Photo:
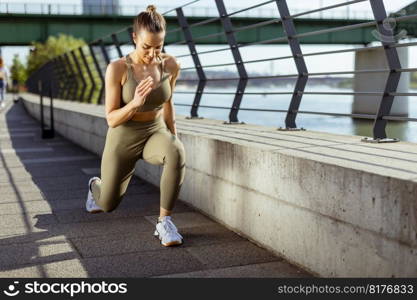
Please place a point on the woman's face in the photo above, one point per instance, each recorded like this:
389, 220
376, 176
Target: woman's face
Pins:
148, 45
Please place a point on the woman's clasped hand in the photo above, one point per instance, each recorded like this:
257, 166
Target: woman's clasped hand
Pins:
142, 90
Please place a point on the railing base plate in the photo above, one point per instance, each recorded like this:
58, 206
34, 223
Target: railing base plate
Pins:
194, 117
48, 134
290, 129
233, 123
372, 140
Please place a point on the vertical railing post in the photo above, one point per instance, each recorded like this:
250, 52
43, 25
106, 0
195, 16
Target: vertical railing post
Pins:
130, 33
117, 44
40, 90
54, 76
58, 76
302, 78
67, 83
104, 51
243, 77
90, 75
74, 83
387, 39
106, 58
80, 74
51, 132
100, 73
200, 72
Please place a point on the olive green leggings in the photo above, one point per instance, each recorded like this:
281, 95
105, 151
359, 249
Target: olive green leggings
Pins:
125, 144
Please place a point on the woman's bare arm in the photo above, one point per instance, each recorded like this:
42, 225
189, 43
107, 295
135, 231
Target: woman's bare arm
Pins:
169, 110
114, 114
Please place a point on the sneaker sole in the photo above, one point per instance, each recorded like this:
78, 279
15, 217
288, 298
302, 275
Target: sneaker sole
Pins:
174, 243
95, 211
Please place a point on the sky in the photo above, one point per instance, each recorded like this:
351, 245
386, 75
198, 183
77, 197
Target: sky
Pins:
345, 61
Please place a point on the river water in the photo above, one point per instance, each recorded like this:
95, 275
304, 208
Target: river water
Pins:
403, 130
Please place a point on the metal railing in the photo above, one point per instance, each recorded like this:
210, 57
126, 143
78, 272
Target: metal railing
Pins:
79, 74
131, 10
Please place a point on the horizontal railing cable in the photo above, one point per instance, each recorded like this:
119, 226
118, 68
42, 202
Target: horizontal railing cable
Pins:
285, 38
305, 93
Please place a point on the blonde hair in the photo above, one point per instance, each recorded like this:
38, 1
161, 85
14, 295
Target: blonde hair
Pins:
150, 20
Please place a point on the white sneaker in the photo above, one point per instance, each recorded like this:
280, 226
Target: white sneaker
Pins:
2, 104
167, 232
90, 204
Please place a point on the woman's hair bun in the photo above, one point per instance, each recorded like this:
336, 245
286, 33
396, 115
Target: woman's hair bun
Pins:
150, 20
151, 8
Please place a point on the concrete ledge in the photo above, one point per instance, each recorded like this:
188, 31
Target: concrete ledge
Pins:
328, 203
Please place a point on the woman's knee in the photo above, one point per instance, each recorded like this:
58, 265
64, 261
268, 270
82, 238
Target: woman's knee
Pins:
109, 206
177, 152
109, 200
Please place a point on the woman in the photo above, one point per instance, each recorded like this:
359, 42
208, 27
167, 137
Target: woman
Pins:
3, 82
141, 118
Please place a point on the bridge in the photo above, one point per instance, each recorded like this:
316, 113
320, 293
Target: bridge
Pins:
24, 27
303, 203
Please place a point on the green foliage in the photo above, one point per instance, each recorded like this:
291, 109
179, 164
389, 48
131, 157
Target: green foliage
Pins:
18, 70
54, 46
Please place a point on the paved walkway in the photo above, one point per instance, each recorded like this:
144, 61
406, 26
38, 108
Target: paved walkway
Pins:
45, 231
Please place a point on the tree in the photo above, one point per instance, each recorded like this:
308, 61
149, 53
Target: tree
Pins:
18, 70
54, 46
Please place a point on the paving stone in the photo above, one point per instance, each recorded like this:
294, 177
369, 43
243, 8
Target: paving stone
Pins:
142, 264
16, 135
139, 208
83, 229
22, 188
24, 156
71, 268
38, 172
91, 171
276, 269
26, 207
19, 129
81, 190
232, 254
18, 151
208, 234
57, 159
29, 220
112, 244
41, 251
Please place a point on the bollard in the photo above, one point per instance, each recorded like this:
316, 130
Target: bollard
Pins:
47, 133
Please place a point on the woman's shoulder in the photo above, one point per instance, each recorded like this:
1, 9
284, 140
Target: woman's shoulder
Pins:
118, 63
171, 64
117, 67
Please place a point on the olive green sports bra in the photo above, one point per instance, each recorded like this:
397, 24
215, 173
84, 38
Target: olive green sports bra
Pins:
156, 98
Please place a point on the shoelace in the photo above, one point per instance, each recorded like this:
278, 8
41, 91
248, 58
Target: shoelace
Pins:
169, 226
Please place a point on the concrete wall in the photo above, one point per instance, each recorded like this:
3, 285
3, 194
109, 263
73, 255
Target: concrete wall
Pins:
326, 202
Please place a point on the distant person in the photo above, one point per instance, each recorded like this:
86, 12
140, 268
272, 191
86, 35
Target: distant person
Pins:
141, 118
3, 82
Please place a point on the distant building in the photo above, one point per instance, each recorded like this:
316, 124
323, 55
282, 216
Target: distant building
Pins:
101, 7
